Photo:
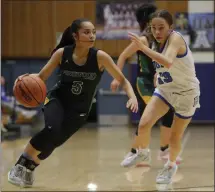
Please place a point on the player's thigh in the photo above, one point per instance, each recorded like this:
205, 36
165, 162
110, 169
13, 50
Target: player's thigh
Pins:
184, 110
70, 126
155, 109
53, 114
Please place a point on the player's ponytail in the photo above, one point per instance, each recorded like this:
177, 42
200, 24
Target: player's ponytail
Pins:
67, 37
143, 15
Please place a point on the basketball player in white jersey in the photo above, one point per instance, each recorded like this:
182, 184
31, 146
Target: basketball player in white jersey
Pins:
177, 88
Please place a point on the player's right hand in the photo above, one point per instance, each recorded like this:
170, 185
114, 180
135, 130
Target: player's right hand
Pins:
20, 77
114, 85
132, 104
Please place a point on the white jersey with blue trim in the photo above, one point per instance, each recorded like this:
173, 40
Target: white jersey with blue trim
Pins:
181, 76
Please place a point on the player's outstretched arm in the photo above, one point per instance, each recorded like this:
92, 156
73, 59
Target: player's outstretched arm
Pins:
127, 53
107, 62
175, 43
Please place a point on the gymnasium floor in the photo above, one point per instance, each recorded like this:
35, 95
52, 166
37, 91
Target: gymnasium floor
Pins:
90, 160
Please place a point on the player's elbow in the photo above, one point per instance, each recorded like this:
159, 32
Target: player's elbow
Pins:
169, 60
169, 64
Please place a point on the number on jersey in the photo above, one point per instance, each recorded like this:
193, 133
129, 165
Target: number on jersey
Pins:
77, 87
164, 77
196, 101
157, 66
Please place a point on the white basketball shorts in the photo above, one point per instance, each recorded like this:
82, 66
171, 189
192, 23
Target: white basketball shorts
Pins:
184, 103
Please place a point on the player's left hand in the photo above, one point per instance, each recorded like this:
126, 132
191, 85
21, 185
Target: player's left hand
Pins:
132, 104
136, 39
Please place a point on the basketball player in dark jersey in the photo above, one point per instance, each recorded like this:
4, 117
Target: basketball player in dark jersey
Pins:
68, 104
145, 79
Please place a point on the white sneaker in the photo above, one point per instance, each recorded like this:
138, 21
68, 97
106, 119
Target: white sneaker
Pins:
165, 176
134, 158
129, 154
21, 176
164, 155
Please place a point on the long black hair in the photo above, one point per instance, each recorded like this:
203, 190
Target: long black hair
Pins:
143, 15
67, 37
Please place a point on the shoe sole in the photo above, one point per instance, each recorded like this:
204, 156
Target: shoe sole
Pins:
137, 162
178, 162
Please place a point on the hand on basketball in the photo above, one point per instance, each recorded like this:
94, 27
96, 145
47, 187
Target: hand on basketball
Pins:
136, 39
20, 77
132, 104
29, 90
114, 85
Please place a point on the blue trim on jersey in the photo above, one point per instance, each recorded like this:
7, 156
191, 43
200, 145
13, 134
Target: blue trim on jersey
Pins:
163, 99
183, 55
161, 50
183, 117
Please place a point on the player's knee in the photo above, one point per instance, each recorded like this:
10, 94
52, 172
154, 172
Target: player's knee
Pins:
49, 140
60, 140
63, 135
56, 137
145, 123
53, 140
45, 138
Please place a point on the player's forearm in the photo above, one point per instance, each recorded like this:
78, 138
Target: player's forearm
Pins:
159, 58
121, 62
128, 89
46, 71
43, 76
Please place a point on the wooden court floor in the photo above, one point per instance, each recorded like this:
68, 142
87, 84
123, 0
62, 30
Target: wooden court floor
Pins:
90, 161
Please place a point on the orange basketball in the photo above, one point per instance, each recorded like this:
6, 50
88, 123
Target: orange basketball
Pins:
30, 90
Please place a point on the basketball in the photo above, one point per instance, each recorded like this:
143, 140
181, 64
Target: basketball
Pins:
30, 90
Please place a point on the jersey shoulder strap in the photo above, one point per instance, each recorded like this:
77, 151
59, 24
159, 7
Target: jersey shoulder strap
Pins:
67, 53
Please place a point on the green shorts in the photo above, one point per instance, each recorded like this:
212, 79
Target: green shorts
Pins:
145, 88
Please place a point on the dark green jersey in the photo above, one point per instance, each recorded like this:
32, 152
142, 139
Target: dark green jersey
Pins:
146, 69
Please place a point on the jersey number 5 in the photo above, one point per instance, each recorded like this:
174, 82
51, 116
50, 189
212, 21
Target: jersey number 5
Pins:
164, 77
77, 87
